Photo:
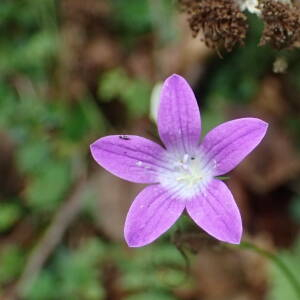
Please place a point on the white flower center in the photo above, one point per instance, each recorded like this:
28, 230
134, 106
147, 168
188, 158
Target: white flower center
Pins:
253, 5
250, 5
187, 174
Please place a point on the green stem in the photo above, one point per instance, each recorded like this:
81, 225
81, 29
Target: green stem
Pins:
223, 177
278, 262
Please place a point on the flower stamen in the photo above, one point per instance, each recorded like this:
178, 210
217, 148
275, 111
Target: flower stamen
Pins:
190, 174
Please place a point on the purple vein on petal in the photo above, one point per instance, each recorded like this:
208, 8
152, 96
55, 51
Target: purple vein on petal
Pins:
233, 138
217, 213
158, 158
210, 150
214, 208
159, 196
179, 117
134, 158
160, 211
153, 211
234, 141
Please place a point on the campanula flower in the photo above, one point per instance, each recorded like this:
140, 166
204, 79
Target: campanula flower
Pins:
182, 174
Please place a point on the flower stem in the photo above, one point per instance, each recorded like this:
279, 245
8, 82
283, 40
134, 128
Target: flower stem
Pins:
278, 262
223, 177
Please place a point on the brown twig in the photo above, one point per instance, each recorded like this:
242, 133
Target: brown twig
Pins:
53, 235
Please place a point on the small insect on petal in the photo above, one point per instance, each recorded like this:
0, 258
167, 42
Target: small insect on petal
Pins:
124, 137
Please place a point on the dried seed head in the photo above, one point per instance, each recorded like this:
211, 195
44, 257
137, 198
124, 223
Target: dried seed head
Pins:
220, 22
282, 24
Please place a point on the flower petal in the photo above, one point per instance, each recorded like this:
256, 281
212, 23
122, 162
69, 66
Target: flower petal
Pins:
151, 214
229, 143
179, 122
129, 157
216, 212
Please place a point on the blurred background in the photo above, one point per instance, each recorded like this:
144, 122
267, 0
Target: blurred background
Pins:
72, 71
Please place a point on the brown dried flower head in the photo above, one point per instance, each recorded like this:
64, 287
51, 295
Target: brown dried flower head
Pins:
221, 22
282, 24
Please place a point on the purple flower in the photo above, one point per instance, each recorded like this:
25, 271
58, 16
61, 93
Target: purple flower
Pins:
183, 174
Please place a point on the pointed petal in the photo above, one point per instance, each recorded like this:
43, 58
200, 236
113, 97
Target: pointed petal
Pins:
216, 212
179, 122
229, 143
151, 214
130, 157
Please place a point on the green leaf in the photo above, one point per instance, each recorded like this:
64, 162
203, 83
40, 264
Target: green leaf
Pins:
135, 94
47, 189
32, 155
137, 98
151, 296
280, 287
83, 120
78, 273
237, 78
12, 261
9, 214
45, 287
295, 209
157, 266
112, 84
132, 17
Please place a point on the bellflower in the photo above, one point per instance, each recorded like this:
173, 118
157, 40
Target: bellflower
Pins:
183, 174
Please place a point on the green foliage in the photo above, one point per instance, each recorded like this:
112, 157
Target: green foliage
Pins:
151, 296
12, 261
295, 209
163, 17
32, 155
76, 274
73, 275
237, 77
157, 267
45, 287
82, 121
9, 214
132, 16
36, 53
136, 17
47, 189
280, 286
213, 115
134, 93
79, 272
32, 40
